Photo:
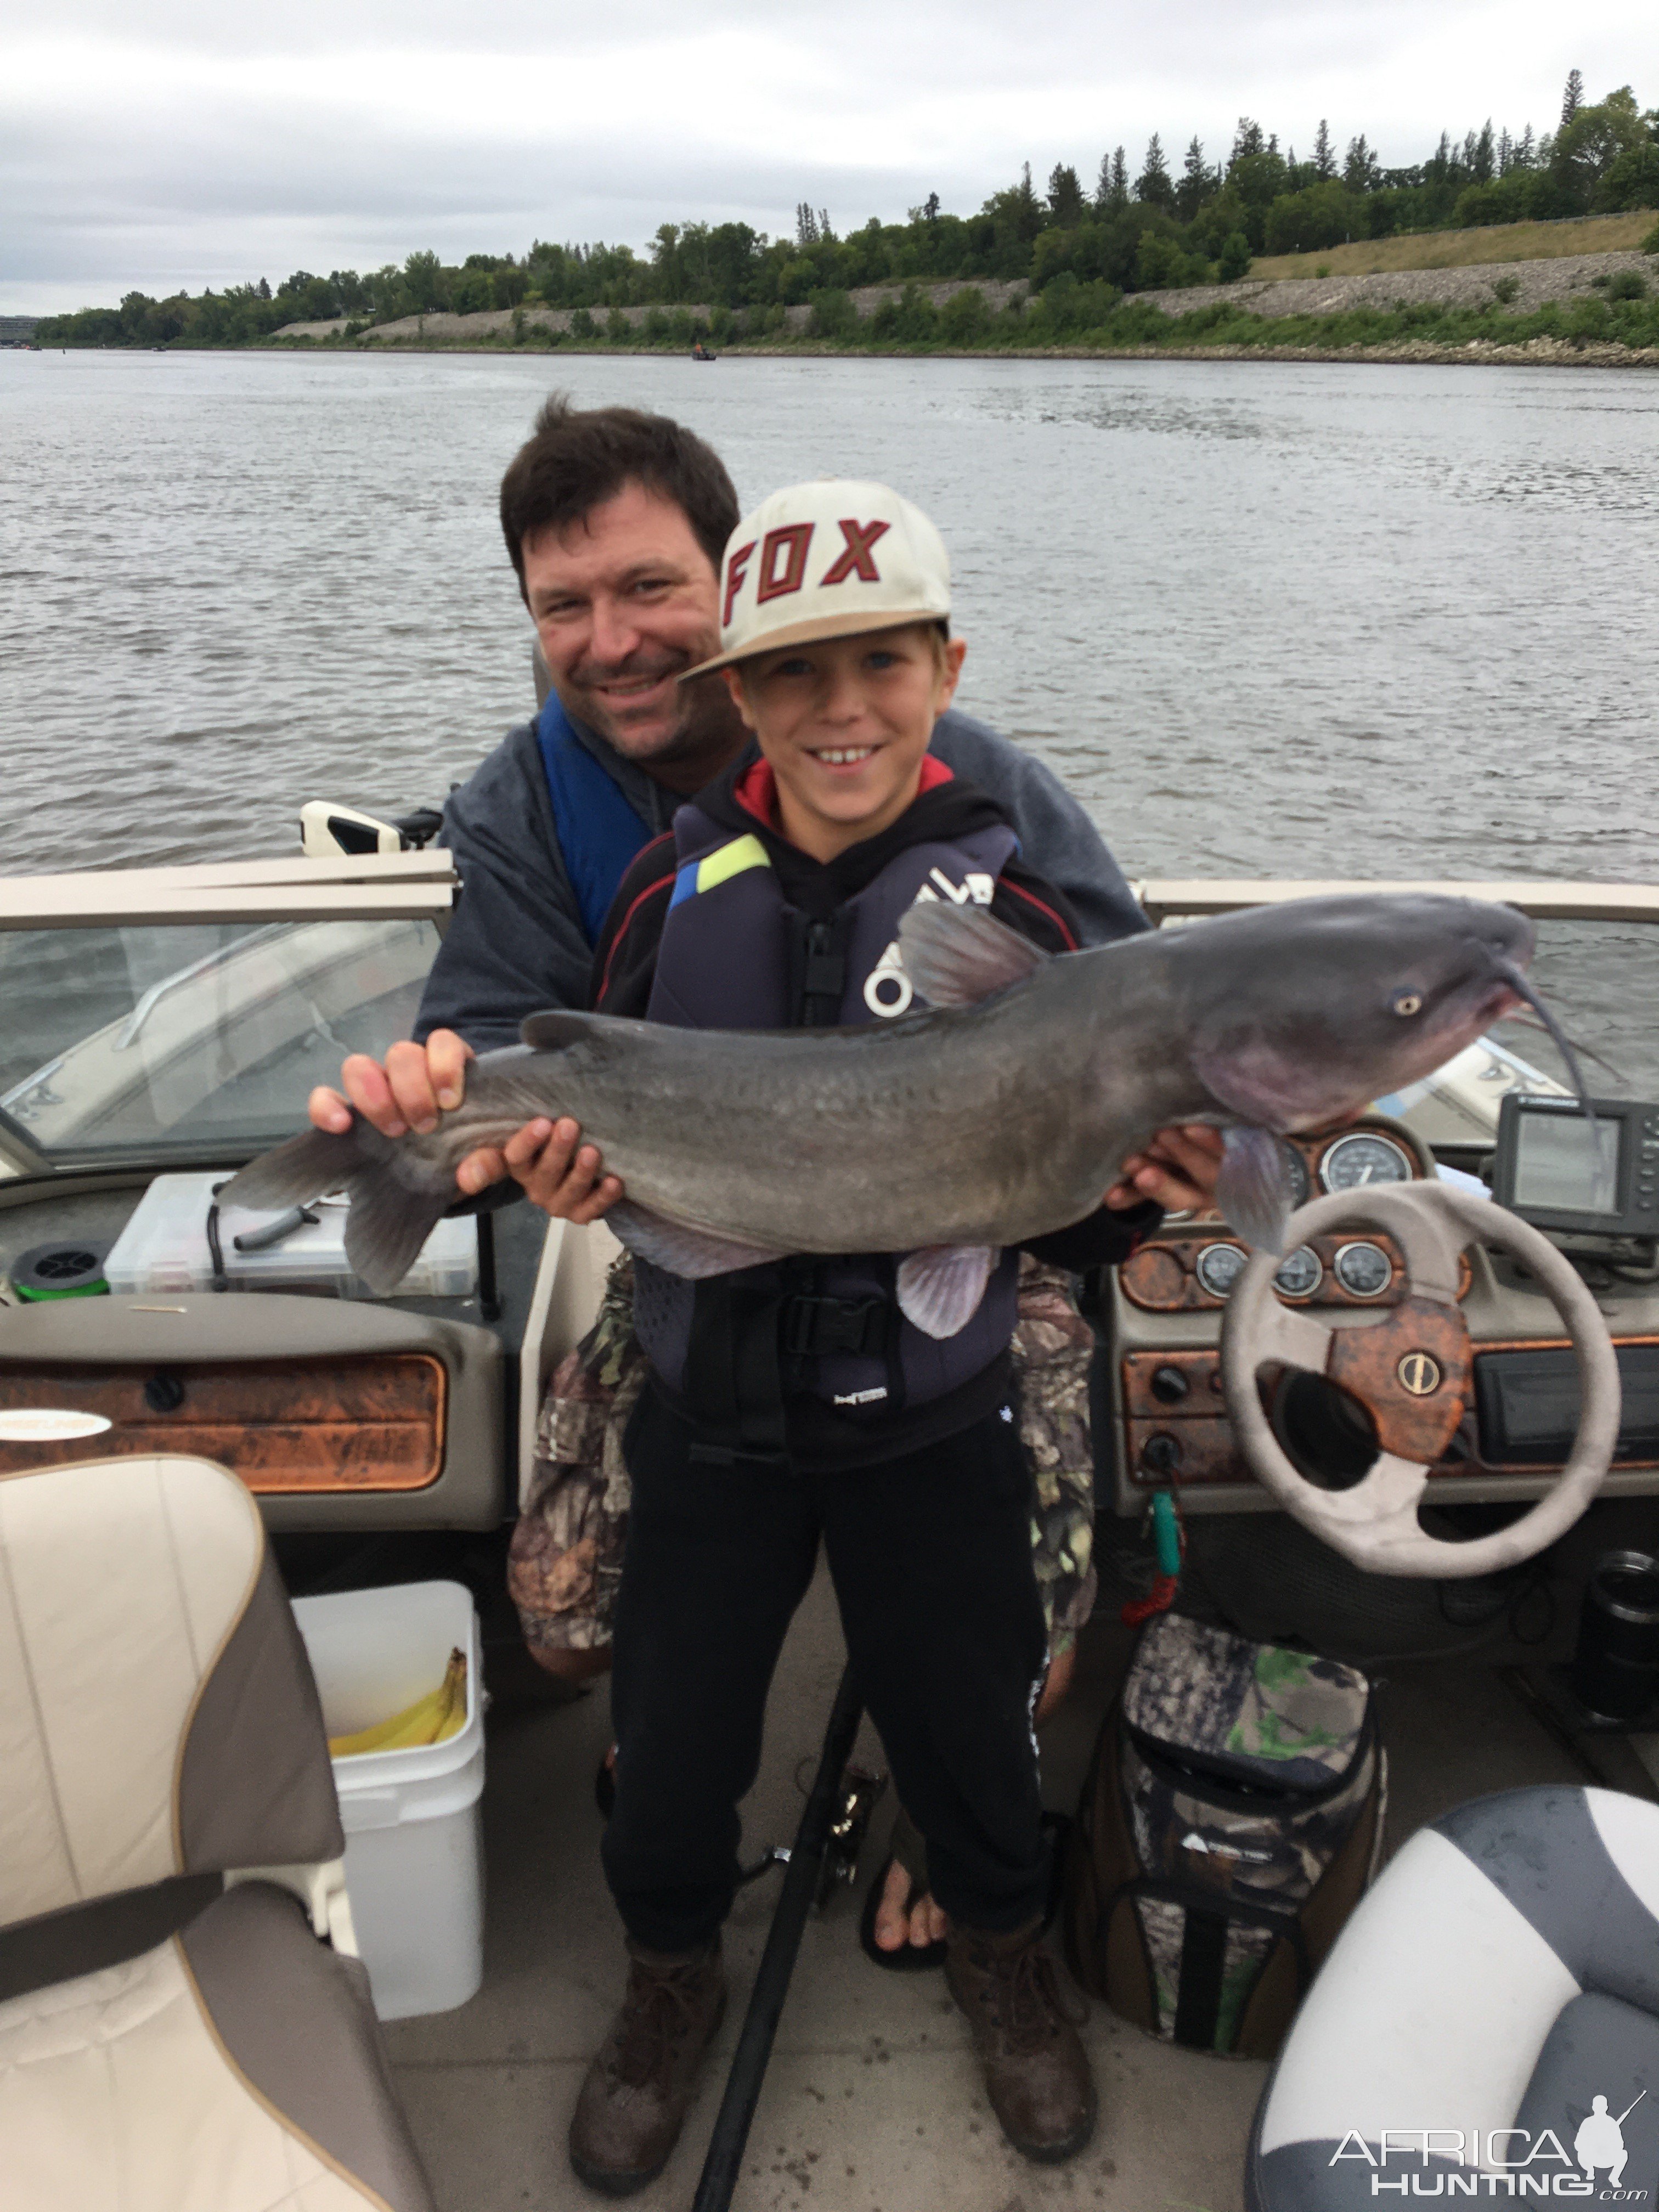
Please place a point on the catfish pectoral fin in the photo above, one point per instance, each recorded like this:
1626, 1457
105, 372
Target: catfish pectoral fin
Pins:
940, 1286
1253, 1189
677, 1250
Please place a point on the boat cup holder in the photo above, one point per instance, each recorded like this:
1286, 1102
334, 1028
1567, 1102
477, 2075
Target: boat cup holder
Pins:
1615, 1666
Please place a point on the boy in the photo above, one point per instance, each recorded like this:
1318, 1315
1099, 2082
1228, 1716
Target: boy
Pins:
790, 1403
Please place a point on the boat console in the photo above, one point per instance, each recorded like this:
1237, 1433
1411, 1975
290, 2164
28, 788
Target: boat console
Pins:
1161, 1400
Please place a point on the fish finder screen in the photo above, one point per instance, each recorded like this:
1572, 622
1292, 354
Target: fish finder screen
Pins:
1566, 1165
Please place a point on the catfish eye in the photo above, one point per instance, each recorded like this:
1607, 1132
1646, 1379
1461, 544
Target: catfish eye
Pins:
1407, 1003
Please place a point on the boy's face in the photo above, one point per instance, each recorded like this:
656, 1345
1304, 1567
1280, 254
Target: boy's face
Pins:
845, 724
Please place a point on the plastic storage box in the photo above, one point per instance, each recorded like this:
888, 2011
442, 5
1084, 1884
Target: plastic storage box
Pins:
164, 1247
414, 1859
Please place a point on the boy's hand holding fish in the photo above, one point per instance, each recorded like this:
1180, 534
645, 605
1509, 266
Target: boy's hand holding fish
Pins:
420, 1082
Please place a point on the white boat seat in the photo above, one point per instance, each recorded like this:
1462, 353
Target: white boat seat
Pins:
1503, 1974
158, 1718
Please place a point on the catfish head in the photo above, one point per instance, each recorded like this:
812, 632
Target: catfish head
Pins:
1299, 1014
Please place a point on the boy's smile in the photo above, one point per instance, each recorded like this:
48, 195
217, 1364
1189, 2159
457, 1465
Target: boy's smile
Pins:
845, 723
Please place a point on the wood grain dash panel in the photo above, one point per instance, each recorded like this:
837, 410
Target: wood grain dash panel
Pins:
371, 1421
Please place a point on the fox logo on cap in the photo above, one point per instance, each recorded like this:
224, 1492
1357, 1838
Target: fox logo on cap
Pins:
829, 559
793, 541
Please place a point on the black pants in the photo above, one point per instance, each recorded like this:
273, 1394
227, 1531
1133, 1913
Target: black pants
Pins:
931, 1558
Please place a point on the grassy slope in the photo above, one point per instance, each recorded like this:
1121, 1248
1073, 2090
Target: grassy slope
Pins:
1461, 249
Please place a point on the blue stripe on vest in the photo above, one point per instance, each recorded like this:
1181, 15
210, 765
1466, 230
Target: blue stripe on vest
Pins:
685, 884
599, 831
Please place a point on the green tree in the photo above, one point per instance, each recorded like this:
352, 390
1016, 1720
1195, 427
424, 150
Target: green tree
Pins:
1153, 187
833, 316
1254, 180
1235, 259
1633, 180
1112, 192
423, 275
1198, 183
965, 318
1066, 205
1587, 149
1307, 221
1572, 98
1361, 171
1324, 159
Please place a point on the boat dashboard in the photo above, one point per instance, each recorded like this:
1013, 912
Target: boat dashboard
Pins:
1159, 1398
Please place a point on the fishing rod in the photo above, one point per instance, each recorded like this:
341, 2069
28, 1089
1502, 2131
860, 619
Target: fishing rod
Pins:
806, 1856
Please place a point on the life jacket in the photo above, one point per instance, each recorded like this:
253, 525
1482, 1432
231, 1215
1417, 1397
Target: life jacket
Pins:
735, 955
599, 831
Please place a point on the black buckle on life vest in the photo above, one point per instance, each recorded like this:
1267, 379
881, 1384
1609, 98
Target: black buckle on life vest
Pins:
810, 1326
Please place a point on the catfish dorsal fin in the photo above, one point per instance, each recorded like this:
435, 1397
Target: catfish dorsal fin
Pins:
557, 1027
957, 955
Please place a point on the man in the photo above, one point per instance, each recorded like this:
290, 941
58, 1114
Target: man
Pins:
615, 522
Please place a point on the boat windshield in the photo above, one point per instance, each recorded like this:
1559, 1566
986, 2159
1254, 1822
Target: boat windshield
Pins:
188, 1038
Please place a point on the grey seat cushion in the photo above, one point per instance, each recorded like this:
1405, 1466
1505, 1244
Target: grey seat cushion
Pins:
1503, 1974
1600, 2047
298, 2020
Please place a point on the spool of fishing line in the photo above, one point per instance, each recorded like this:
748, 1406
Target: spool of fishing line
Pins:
70, 1270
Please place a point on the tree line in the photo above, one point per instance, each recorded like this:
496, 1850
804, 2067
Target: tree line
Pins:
1198, 222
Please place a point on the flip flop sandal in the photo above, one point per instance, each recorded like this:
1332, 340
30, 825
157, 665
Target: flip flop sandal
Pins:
909, 1851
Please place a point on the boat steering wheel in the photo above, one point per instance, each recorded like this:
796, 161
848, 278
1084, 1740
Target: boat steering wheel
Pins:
1412, 1369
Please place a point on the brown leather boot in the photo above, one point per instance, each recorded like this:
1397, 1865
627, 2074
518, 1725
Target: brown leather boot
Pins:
1037, 2071
634, 2099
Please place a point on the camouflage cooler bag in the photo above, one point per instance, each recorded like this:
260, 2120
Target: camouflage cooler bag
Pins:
1230, 1821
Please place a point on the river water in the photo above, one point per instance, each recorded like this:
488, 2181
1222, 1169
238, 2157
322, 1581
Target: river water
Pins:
1263, 618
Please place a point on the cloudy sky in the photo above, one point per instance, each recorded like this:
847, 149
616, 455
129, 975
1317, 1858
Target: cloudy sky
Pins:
173, 143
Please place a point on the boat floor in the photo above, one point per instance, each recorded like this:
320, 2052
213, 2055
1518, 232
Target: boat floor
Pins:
872, 2102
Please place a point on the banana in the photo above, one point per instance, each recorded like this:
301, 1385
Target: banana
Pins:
440, 1713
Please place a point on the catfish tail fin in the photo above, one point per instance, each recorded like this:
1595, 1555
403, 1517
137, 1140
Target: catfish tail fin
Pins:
391, 1217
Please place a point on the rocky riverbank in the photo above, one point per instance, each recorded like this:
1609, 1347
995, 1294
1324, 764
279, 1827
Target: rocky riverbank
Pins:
1520, 286
1567, 277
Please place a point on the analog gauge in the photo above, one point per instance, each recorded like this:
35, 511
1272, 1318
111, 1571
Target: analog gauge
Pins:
1300, 1274
1365, 1271
1364, 1157
1301, 1180
1218, 1267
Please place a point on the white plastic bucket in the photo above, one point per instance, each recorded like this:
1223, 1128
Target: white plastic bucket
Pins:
414, 1859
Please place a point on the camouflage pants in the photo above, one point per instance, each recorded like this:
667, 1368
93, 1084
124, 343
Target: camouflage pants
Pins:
565, 1563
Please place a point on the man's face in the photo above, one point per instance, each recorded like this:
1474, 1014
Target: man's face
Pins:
623, 601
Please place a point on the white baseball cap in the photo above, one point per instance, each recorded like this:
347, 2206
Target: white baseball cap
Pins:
829, 559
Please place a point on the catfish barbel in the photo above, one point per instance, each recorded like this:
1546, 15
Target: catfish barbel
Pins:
999, 1113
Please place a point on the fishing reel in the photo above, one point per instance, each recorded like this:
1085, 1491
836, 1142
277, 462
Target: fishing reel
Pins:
856, 1799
